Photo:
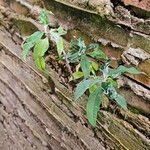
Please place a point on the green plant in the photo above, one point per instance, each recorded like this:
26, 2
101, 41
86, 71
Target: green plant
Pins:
98, 79
39, 41
98, 84
79, 53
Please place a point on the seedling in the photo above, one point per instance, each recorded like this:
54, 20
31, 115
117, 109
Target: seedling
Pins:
100, 81
79, 54
39, 42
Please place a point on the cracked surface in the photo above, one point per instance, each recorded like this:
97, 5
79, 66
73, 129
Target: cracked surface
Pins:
32, 118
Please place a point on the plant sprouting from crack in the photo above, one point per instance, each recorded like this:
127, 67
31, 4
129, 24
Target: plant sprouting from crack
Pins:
98, 80
39, 41
79, 53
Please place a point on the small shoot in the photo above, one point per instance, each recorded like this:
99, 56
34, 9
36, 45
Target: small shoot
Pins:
56, 36
39, 41
99, 81
43, 17
79, 54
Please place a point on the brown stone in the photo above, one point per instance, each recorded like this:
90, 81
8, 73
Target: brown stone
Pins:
143, 4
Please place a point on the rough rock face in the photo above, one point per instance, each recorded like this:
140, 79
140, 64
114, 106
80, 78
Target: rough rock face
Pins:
32, 118
142, 4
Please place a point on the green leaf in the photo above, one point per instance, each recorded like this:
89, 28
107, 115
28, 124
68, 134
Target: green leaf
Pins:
76, 75
56, 37
85, 66
92, 88
83, 86
94, 65
113, 95
77, 50
30, 42
78, 45
73, 57
111, 82
60, 45
26, 48
132, 70
43, 17
40, 63
34, 37
40, 48
121, 69
97, 53
93, 105
121, 101
61, 31
39, 51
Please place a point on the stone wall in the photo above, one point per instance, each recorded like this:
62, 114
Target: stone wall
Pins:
123, 33
32, 118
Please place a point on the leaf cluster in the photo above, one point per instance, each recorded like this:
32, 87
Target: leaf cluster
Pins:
80, 54
98, 80
39, 42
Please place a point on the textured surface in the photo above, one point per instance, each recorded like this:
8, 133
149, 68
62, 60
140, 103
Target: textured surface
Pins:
29, 116
32, 118
143, 4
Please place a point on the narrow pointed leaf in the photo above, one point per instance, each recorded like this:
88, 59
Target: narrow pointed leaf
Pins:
40, 63
121, 69
132, 70
93, 105
121, 101
76, 75
85, 66
60, 45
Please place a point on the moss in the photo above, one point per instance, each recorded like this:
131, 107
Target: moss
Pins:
125, 133
139, 41
134, 110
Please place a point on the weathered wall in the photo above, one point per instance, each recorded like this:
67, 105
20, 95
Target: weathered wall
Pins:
30, 115
124, 34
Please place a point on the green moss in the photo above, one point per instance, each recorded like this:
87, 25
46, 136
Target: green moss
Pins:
133, 110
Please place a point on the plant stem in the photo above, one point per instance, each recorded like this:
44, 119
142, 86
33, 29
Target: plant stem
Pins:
67, 63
